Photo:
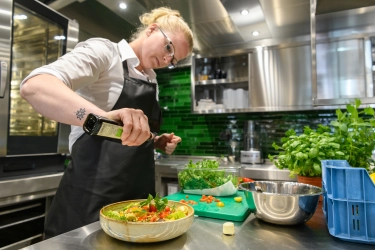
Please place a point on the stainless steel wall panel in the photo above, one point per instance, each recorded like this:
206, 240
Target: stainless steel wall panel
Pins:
280, 77
64, 129
342, 40
63, 140
370, 80
341, 69
73, 32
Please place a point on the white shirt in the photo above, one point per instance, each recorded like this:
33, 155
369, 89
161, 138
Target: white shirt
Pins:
94, 71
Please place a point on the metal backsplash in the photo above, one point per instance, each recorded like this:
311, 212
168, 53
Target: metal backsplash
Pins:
280, 78
341, 55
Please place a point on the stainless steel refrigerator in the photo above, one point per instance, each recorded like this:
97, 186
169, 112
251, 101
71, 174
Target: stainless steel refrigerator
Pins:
31, 35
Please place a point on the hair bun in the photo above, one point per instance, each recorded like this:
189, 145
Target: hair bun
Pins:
153, 16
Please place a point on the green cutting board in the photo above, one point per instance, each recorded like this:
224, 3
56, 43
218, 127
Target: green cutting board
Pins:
232, 211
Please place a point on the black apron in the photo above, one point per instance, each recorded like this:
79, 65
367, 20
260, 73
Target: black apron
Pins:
102, 171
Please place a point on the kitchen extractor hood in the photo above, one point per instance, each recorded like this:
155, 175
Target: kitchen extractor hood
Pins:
329, 6
217, 24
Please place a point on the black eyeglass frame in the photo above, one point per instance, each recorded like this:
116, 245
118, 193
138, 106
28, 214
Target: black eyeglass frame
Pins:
173, 62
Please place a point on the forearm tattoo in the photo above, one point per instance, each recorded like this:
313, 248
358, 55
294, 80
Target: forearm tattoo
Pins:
81, 113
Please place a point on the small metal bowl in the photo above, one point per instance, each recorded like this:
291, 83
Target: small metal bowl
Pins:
282, 203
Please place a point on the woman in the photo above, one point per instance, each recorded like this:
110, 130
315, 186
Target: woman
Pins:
117, 81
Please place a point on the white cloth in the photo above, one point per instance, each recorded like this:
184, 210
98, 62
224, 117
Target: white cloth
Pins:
94, 71
224, 190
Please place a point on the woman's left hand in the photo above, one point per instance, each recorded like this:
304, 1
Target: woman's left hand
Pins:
167, 142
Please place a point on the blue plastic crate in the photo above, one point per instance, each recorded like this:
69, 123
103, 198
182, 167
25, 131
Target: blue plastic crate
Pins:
349, 202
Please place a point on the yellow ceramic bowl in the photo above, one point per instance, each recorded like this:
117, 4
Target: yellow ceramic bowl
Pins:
144, 231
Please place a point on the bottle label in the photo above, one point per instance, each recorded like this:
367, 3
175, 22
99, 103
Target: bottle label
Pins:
110, 130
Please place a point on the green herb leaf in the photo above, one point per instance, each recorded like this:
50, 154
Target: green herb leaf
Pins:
350, 137
369, 111
204, 174
148, 201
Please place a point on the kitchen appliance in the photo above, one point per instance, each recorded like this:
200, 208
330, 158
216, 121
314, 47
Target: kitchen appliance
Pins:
252, 147
234, 151
31, 35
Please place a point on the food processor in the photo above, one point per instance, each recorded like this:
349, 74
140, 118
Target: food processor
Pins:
252, 151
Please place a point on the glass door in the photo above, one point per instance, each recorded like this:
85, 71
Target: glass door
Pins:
36, 42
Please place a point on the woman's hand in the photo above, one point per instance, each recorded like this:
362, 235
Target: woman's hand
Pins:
135, 125
167, 142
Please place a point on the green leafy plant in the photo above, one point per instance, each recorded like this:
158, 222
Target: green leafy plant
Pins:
204, 174
350, 137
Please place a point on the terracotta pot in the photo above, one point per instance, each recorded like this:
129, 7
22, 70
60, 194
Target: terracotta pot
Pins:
315, 181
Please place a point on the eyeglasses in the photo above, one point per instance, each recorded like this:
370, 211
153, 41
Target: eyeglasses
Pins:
169, 49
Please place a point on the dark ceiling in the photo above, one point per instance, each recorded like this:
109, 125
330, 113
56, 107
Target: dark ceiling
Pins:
95, 20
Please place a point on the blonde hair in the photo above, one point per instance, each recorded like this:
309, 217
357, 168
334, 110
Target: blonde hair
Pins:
169, 20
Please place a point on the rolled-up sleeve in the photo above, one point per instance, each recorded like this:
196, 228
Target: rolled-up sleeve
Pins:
82, 66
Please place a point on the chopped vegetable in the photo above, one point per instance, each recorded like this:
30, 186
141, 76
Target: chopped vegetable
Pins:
191, 202
183, 209
151, 210
245, 179
206, 198
114, 215
176, 215
238, 199
220, 204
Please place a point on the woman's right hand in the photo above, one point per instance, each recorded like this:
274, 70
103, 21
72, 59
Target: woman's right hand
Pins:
135, 125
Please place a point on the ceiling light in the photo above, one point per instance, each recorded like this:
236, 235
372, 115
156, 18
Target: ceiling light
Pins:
122, 6
20, 17
342, 49
244, 12
59, 37
255, 33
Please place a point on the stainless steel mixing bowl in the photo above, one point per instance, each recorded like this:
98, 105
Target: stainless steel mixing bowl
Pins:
283, 203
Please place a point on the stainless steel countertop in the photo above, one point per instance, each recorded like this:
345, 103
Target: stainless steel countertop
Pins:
32, 187
206, 233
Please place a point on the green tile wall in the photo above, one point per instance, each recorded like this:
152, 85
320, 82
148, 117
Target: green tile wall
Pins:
200, 133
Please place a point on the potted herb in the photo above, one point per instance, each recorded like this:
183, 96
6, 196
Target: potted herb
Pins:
350, 137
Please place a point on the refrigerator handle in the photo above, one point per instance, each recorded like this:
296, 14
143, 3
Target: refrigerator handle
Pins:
3, 77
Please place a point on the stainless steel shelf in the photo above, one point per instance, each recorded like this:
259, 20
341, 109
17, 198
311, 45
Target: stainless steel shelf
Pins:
28, 188
223, 81
23, 220
23, 243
